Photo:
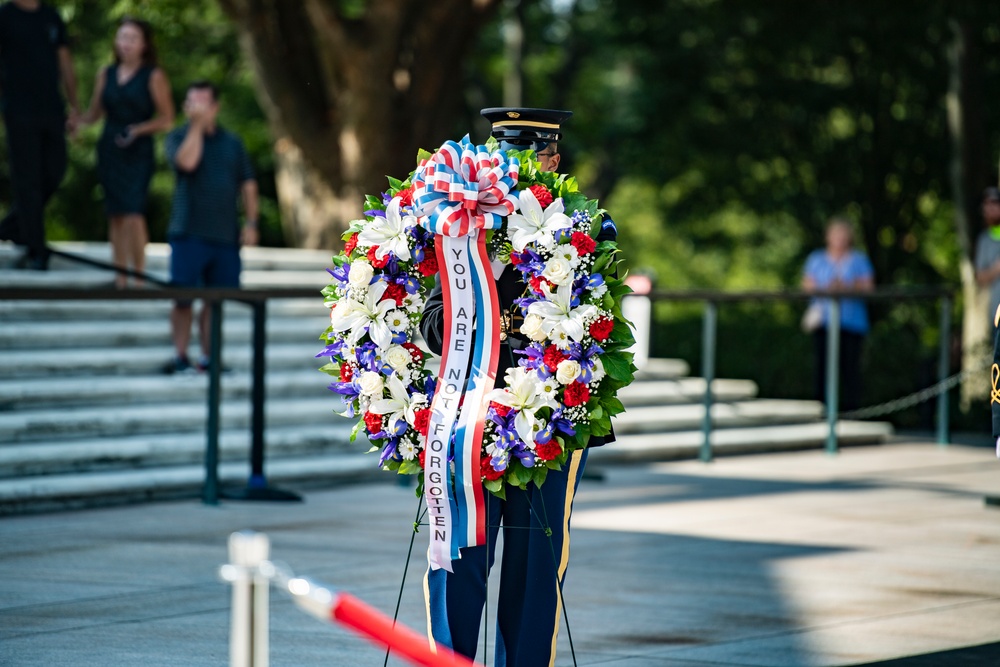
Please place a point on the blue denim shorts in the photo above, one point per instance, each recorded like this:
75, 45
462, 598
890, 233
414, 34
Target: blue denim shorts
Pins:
199, 263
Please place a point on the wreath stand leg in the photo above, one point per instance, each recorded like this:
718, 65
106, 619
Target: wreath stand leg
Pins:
543, 521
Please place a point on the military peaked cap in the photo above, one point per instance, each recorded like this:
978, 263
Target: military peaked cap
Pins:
522, 128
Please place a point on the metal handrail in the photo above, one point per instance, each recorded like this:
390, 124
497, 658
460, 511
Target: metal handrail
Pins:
711, 299
256, 298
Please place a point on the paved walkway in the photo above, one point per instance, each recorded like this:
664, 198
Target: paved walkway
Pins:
784, 559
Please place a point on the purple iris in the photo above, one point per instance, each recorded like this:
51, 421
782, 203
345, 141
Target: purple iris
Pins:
418, 254
399, 428
525, 456
499, 461
340, 273
533, 360
411, 284
331, 350
367, 358
349, 392
587, 359
562, 424
388, 452
374, 213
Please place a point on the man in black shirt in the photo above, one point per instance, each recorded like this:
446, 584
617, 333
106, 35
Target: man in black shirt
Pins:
34, 60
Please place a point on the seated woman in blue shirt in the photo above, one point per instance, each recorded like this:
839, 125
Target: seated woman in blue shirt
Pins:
840, 268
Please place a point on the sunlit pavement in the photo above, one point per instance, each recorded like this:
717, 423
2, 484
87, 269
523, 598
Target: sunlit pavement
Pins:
784, 559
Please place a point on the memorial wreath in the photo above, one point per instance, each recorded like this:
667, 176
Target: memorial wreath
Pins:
564, 387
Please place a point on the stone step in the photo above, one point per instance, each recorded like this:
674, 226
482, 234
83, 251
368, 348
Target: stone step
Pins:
237, 328
725, 442
157, 450
112, 312
55, 392
190, 416
158, 258
30, 493
81, 363
74, 491
116, 391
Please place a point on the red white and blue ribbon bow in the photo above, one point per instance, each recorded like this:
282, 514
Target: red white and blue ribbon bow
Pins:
460, 192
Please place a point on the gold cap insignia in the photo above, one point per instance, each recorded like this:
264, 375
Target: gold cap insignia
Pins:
513, 114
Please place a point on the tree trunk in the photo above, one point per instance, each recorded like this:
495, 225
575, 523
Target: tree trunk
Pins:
969, 172
351, 93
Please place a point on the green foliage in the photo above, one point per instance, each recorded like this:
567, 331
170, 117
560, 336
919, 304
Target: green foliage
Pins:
194, 41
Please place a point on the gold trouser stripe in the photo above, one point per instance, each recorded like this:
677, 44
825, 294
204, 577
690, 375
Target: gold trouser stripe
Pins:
574, 469
526, 123
427, 604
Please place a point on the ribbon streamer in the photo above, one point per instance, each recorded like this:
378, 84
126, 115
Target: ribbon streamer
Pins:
459, 193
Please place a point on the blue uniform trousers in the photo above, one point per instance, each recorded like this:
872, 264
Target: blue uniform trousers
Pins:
532, 567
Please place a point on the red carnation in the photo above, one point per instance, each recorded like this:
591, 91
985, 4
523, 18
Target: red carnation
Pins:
500, 409
373, 422
377, 263
351, 244
601, 329
536, 283
405, 196
549, 451
552, 357
487, 470
395, 292
414, 351
583, 243
576, 394
346, 372
429, 266
515, 259
422, 458
542, 194
421, 420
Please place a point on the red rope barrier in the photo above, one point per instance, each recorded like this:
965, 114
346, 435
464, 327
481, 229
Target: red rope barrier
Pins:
352, 612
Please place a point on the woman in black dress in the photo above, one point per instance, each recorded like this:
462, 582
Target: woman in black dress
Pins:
134, 95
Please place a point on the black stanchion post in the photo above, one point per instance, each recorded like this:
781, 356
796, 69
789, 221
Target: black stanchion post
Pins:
832, 375
257, 479
210, 492
257, 487
944, 354
708, 371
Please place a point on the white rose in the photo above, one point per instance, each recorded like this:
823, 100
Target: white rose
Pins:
360, 274
371, 384
532, 327
599, 373
558, 271
398, 357
567, 371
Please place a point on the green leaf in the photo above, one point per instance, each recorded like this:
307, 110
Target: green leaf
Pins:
394, 184
613, 406
496, 487
538, 475
601, 426
410, 467
423, 155
356, 430
519, 474
617, 365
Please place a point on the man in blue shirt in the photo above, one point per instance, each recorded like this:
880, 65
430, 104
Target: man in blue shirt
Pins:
213, 174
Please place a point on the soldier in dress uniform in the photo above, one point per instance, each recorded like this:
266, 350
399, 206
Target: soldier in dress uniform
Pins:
536, 520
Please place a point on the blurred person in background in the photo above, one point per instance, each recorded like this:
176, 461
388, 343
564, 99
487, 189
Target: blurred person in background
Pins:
134, 96
34, 61
841, 269
988, 249
213, 173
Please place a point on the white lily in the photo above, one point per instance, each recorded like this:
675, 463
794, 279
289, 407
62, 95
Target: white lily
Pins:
557, 313
390, 234
525, 394
401, 405
533, 224
355, 316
